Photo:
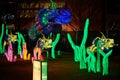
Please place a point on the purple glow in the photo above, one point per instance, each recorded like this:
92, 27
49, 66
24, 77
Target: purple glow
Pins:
9, 54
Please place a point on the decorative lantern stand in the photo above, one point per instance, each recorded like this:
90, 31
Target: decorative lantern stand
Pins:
40, 70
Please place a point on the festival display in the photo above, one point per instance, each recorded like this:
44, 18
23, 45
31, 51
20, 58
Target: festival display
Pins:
49, 20
24, 54
22, 47
1, 38
9, 53
42, 44
100, 46
37, 51
54, 43
9, 41
46, 44
80, 51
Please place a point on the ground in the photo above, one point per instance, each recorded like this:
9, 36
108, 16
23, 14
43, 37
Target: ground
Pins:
61, 68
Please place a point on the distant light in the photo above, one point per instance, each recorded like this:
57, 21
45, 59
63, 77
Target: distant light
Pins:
11, 2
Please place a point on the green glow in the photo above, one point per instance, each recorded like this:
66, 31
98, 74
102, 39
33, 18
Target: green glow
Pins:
102, 44
59, 53
20, 40
54, 43
19, 44
105, 60
6, 31
91, 61
4, 44
80, 51
44, 70
98, 56
50, 35
5, 41
47, 54
82, 46
53, 5
44, 20
75, 47
1, 37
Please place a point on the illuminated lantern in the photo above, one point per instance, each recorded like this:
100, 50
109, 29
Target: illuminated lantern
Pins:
49, 20
54, 43
101, 46
1, 37
63, 16
37, 52
91, 60
105, 58
40, 70
9, 54
80, 51
25, 54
